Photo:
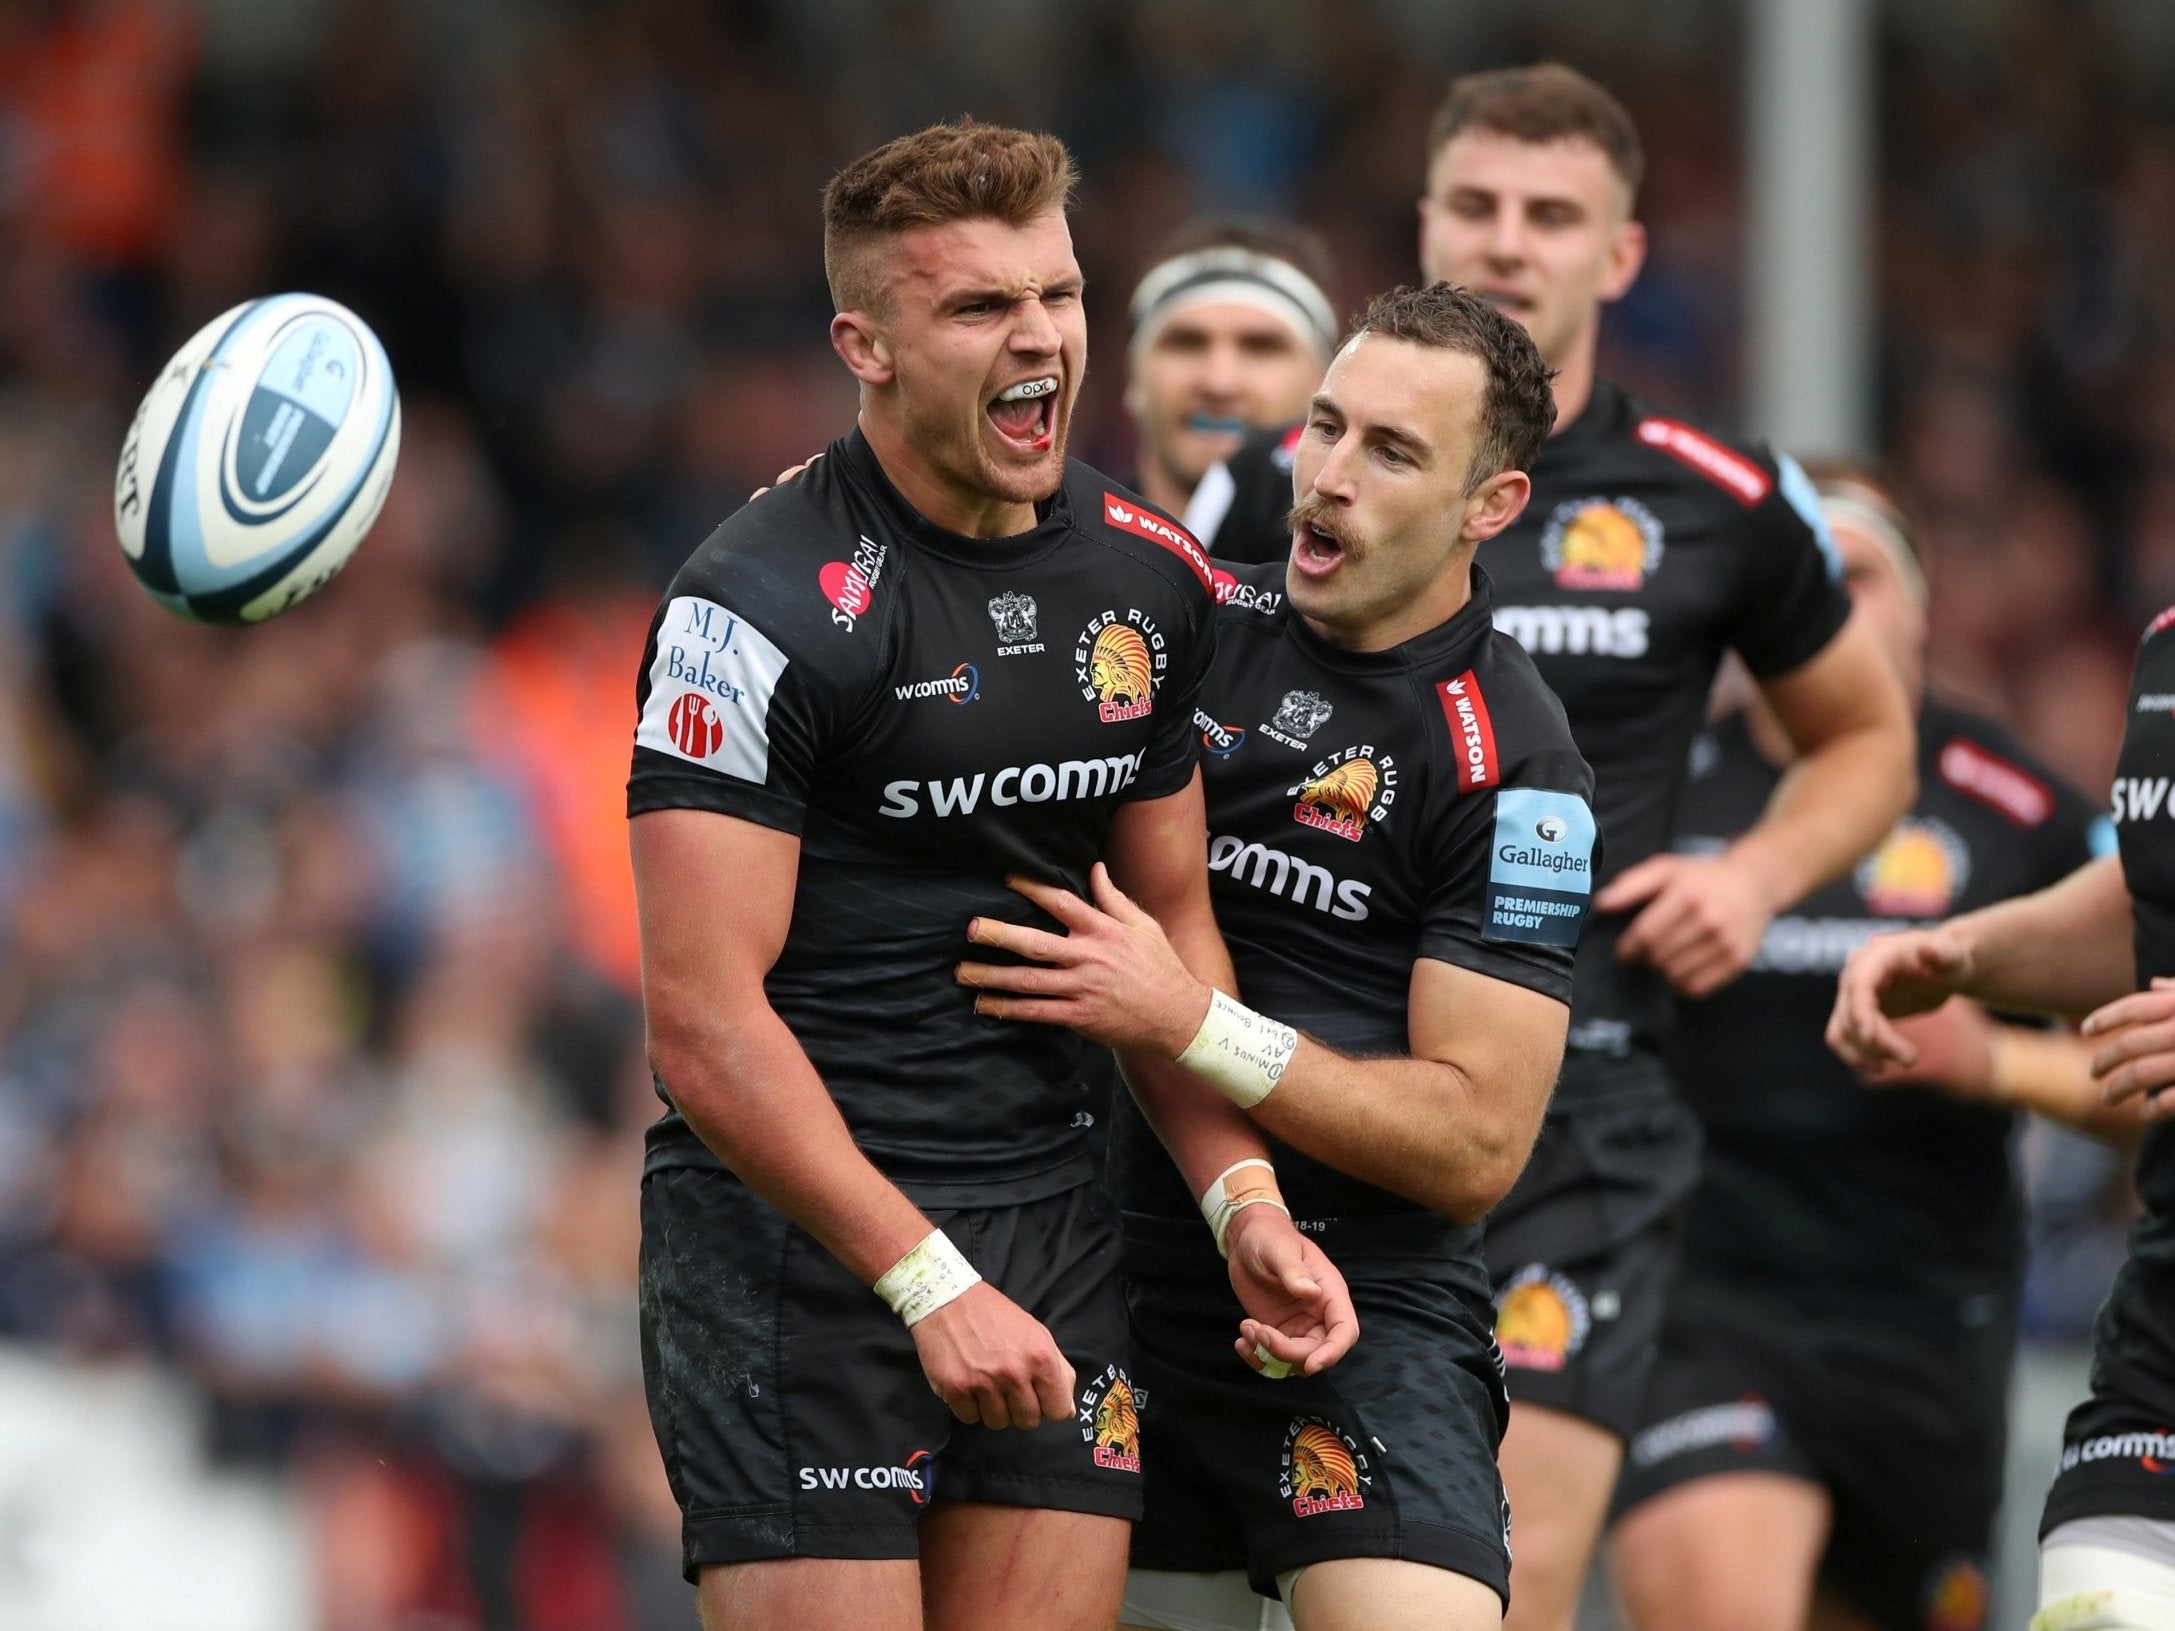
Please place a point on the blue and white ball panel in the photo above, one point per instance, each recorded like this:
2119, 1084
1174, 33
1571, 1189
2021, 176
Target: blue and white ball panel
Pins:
1540, 867
258, 460
710, 686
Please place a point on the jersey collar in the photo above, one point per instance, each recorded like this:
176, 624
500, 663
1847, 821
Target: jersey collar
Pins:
1454, 642
1053, 516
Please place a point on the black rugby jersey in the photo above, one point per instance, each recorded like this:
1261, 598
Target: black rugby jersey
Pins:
1648, 547
1365, 810
2133, 1344
928, 712
1895, 1204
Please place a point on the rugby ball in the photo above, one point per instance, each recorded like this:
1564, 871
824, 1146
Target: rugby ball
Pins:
258, 459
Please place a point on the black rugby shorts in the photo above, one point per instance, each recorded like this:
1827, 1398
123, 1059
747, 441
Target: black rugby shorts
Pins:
1904, 1429
790, 1403
1390, 1453
2118, 1449
1582, 1250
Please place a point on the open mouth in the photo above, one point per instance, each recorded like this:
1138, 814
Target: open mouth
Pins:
1022, 413
1314, 552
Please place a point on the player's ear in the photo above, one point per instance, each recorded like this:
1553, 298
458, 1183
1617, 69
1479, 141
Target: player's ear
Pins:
863, 346
1495, 504
1627, 253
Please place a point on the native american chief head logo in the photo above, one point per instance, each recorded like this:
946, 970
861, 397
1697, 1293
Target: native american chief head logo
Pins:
1121, 674
1338, 801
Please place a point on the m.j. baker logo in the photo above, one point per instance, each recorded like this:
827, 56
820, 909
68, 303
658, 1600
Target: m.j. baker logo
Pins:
710, 684
1119, 663
1345, 792
1323, 1469
850, 586
1109, 1419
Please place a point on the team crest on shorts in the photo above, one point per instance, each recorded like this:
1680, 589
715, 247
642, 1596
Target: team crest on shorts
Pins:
1323, 1469
1601, 543
1345, 792
1541, 1319
1956, 1596
1119, 663
1110, 1420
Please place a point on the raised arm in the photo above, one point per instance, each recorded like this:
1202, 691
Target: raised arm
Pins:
715, 897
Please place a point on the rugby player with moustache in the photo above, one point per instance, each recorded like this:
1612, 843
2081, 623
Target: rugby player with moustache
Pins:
1403, 847
1649, 547
940, 655
1822, 1442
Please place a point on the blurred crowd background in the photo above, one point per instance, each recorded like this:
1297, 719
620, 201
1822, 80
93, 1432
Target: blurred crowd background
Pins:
320, 1065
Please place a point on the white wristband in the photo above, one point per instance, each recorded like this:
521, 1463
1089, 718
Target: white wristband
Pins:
1251, 1182
1240, 1053
926, 1278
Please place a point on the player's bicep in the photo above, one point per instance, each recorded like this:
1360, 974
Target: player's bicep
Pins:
1158, 854
1505, 1037
1848, 685
714, 899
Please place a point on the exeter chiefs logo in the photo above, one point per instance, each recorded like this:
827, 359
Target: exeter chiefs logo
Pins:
1119, 664
1345, 792
1014, 615
1541, 1319
1599, 543
1110, 1420
1957, 1596
1323, 1471
1917, 872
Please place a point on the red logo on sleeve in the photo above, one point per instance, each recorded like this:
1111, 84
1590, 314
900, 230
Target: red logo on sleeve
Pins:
1725, 467
1993, 781
1472, 732
695, 727
1155, 529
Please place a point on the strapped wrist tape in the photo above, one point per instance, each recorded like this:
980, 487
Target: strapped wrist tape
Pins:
1240, 1053
1251, 1182
926, 1278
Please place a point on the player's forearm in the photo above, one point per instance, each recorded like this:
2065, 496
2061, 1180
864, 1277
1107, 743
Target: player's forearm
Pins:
1431, 1132
752, 1096
2064, 950
1204, 1132
2049, 1073
1830, 808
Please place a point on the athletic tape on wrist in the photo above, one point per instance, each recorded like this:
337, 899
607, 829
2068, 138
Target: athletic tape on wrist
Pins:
1251, 1182
1240, 1053
926, 1278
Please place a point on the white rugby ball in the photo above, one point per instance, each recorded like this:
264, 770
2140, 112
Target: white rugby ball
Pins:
258, 459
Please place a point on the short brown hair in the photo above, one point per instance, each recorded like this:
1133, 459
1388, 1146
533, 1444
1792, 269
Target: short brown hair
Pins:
1546, 102
955, 172
1518, 411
